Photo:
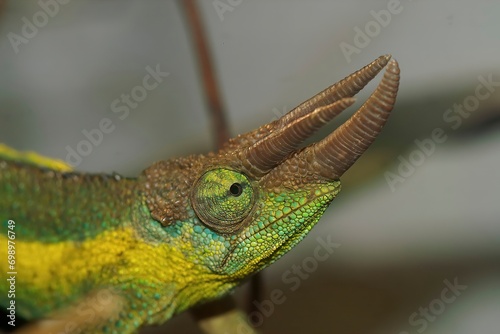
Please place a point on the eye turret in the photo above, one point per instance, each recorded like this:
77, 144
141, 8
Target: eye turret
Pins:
222, 199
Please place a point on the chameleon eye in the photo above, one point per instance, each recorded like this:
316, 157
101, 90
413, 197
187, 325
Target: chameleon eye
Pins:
222, 199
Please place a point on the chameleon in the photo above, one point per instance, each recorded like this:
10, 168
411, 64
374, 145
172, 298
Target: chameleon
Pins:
186, 230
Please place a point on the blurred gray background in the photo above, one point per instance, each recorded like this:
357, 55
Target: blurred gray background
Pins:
399, 240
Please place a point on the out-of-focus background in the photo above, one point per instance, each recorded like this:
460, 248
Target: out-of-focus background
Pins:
417, 225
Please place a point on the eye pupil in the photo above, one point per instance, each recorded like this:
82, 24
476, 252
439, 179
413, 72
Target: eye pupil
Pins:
236, 189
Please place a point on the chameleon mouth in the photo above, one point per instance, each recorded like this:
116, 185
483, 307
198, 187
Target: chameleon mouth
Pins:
286, 232
299, 231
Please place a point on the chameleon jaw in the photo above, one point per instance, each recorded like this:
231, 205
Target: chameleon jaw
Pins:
284, 220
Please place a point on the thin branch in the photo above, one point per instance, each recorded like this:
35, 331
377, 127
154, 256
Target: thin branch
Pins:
215, 106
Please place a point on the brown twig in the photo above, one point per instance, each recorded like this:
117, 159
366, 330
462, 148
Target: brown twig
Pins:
206, 67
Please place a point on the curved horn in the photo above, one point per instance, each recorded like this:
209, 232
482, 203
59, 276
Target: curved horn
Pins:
333, 155
347, 87
270, 151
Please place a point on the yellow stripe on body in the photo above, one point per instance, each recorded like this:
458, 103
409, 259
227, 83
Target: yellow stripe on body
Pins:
33, 158
113, 258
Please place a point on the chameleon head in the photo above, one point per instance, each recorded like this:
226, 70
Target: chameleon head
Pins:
237, 210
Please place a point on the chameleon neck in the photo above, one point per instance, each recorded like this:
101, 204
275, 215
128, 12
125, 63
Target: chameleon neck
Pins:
61, 203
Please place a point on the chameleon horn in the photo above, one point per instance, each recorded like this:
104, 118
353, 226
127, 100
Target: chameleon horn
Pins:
270, 151
347, 87
301, 122
336, 153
